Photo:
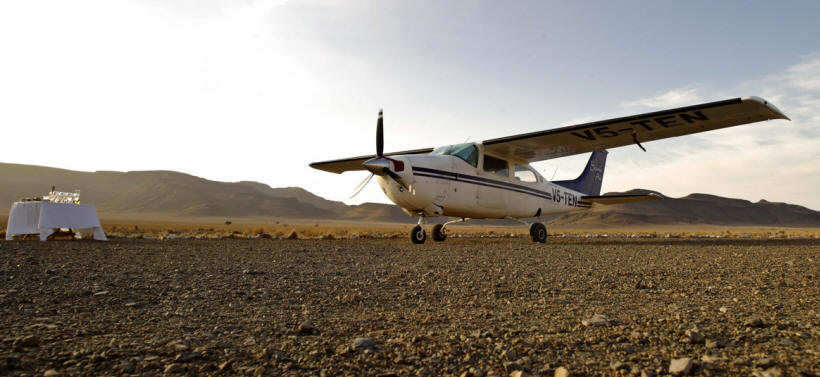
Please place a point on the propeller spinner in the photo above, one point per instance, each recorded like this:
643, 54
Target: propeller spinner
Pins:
380, 165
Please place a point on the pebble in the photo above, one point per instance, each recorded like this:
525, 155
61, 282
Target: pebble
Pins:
174, 368
617, 365
51, 373
306, 327
596, 320
225, 366
127, 367
707, 358
27, 341
754, 322
771, 372
519, 373
186, 357
680, 367
648, 373
364, 343
694, 337
562, 372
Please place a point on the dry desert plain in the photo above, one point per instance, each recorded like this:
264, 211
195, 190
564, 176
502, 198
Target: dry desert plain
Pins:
468, 307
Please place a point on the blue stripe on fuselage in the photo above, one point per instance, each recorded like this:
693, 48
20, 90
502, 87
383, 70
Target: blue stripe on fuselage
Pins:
481, 181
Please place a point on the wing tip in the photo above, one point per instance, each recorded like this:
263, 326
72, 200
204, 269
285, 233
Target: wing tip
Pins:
770, 106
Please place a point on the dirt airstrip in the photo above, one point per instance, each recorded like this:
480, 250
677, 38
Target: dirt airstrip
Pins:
467, 307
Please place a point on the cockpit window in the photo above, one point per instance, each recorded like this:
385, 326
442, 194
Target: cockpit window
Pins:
495, 165
467, 152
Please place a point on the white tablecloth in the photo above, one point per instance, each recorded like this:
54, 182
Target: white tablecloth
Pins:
43, 217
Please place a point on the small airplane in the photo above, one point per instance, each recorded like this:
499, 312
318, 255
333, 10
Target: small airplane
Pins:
493, 179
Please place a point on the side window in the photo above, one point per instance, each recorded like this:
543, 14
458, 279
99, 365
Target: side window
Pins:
495, 165
525, 174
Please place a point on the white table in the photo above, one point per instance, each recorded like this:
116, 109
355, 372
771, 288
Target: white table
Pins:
44, 217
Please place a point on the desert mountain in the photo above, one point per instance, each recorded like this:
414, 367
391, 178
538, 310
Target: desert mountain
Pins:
151, 195
695, 209
171, 195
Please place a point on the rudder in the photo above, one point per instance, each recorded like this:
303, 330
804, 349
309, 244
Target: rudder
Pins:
590, 180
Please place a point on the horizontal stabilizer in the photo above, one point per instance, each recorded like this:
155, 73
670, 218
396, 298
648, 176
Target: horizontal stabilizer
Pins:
619, 199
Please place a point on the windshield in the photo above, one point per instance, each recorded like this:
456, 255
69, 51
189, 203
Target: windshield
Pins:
467, 152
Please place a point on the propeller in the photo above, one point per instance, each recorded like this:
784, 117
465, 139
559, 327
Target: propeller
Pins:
380, 135
380, 164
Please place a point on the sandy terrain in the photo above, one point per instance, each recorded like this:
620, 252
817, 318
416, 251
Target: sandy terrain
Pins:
386, 307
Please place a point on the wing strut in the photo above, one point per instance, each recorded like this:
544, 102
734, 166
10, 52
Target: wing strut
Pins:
635, 139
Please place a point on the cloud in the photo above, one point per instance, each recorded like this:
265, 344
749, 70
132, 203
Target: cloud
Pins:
805, 75
774, 160
673, 98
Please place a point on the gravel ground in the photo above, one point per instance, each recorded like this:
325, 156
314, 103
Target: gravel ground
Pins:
476, 307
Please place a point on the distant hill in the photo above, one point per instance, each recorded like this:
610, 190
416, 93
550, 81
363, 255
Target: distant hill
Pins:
168, 195
694, 209
171, 195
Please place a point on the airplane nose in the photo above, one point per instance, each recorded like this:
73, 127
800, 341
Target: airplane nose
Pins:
377, 166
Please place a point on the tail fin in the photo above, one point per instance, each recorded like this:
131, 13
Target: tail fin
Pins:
589, 182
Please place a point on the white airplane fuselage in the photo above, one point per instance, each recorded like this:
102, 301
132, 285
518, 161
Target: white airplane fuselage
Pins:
446, 185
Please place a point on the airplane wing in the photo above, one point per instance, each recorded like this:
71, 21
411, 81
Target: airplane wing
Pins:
605, 134
618, 199
355, 163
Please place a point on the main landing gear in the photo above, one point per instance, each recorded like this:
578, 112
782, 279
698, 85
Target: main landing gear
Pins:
538, 231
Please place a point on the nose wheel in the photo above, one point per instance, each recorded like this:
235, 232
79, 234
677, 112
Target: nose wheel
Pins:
417, 235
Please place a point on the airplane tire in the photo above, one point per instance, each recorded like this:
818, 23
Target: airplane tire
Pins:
538, 232
438, 233
417, 235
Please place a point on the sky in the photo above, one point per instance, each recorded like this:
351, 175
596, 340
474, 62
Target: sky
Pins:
256, 90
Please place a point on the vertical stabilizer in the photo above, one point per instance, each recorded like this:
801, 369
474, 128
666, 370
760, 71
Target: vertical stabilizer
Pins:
589, 182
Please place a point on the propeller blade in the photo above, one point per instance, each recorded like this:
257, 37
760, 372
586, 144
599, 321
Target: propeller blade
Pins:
362, 185
396, 178
380, 136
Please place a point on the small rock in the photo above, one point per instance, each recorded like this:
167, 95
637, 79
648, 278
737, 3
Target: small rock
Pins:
519, 373
711, 343
754, 322
771, 372
186, 357
27, 341
511, 366
764, 362
707, 358
127, 367
51, 373
617, 365
723, 309
174, 368
226, 366
100, 293
648, 373
364, 343
680, 367
694, 337
306, 327
596, 320
292, 235
562, 372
